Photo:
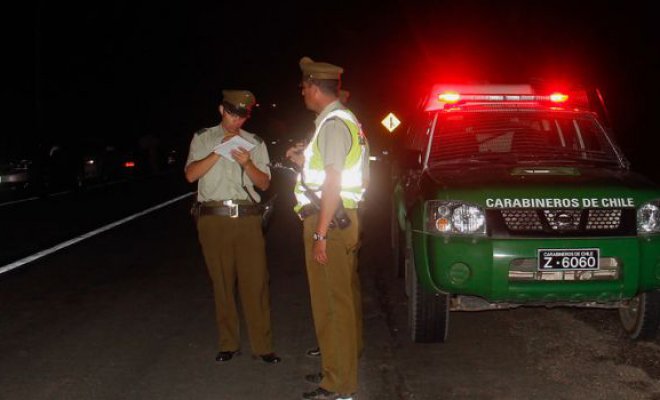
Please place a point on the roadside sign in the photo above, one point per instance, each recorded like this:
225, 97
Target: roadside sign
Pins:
390, 122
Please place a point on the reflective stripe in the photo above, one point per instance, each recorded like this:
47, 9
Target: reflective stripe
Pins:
348, 178
349, 199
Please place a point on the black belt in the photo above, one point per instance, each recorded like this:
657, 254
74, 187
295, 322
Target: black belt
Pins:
310, 209
234, 211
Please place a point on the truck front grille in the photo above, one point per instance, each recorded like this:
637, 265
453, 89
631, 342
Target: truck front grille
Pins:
562, 222
522, 220
604, 219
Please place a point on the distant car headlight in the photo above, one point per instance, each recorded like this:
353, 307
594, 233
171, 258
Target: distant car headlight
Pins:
455, 217
648, 217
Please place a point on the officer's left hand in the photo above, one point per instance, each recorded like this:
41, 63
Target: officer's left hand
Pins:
319, 253
241, 156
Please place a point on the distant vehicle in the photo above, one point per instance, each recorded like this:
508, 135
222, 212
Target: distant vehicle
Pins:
67, 166
16, 175
115, 163
510, 196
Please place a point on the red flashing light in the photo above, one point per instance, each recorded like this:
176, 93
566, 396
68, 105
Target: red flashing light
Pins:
129, 164
558, 97
449, 97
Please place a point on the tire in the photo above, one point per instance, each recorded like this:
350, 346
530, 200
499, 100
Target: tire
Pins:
428, 312
641, 317
398, 245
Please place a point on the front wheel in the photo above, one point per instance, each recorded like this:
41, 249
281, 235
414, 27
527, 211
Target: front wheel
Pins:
428, 312
398, 244
641, 317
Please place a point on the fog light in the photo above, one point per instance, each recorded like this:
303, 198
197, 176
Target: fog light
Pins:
459, 273
586, 275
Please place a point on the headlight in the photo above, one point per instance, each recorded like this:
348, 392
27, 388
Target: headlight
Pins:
455, 217
648, 218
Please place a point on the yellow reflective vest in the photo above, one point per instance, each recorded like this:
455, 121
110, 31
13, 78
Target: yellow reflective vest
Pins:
313, 171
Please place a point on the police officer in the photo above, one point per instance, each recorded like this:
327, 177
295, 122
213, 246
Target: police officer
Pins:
344, 96
229, 224
332, 170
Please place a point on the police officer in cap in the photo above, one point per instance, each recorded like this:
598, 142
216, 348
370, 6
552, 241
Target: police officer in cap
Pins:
229, 225
344, 97
332, 166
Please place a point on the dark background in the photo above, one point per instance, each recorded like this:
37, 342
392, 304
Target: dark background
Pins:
116, 71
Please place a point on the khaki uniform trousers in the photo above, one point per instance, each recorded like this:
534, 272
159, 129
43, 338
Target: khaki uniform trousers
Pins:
234, 251
336, 304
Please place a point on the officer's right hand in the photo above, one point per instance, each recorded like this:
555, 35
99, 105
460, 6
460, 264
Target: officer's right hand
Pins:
241, 156
319, 252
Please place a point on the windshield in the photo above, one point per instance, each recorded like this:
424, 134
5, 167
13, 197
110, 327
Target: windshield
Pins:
519, 137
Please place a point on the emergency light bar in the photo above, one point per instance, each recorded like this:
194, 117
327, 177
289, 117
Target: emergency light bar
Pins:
452, 98
444, 94
558, 97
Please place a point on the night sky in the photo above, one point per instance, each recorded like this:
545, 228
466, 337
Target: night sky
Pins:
120, 70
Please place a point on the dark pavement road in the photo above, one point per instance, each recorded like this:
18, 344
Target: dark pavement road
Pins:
128, 314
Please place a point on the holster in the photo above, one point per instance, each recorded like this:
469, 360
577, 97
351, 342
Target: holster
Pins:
340, 220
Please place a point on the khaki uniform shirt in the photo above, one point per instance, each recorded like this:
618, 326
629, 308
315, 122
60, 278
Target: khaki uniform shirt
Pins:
334, 138
223, 180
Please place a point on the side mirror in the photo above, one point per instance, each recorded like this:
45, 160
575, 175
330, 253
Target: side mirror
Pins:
410, 159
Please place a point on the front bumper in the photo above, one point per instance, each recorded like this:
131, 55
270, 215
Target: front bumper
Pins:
504, 269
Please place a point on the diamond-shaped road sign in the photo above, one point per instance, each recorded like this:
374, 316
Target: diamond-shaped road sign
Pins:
390, 122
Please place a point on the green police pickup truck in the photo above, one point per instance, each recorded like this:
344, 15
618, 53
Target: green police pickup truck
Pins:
511, 195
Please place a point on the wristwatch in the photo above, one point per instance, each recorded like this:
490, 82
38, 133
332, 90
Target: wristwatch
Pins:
317, 236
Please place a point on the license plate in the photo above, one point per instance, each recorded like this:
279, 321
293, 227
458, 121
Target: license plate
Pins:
568, 259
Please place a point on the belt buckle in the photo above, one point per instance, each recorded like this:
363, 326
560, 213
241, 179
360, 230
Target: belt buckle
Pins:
233, 208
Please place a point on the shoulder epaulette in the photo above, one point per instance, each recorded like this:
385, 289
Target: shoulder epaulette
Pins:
257, 138
199, 132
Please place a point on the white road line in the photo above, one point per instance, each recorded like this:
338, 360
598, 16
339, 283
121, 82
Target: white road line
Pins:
87, 235
18, 201
60, 193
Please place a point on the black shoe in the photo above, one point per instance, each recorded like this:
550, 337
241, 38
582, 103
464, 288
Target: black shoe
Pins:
316, 352
320, 394
226, 355
314, 378
270, 358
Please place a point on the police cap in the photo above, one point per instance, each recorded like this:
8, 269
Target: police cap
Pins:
319, 70
239, 102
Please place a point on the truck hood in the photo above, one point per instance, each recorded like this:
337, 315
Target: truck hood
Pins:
540, 187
